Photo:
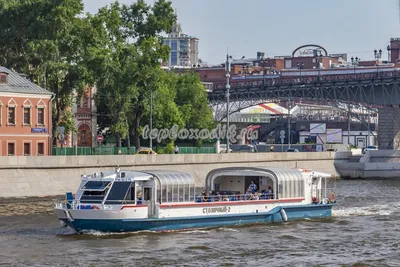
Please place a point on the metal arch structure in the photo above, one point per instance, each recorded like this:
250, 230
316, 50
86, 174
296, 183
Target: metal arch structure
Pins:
219, 108
309, 45
383, 91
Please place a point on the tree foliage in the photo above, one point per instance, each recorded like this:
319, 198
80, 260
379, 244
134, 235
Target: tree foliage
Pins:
44, 38
127, 61
118, 49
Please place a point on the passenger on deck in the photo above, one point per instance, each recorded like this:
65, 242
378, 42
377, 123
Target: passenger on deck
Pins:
270, 193
252, 187
205, 197
225, 198
219, 197
139, 197
234, 197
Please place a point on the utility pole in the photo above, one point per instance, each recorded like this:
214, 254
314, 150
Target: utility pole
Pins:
348, 125
151, 118
289, 123
369, 129
228, 87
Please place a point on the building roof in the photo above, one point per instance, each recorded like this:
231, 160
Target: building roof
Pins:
18, 84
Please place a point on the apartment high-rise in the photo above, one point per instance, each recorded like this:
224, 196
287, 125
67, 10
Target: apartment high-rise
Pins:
184, 48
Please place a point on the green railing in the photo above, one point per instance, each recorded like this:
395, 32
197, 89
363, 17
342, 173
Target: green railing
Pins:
197, 150
85, 151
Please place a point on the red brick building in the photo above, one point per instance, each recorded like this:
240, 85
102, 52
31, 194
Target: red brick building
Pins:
25, 116
85, 114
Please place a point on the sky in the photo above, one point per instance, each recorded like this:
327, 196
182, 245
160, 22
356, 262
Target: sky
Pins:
242, 28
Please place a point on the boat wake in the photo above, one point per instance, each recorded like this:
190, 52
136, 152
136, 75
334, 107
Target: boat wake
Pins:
224, 229
382, 210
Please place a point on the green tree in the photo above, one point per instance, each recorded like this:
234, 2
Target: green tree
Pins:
43, 38
127, 62
192, 100
166, 112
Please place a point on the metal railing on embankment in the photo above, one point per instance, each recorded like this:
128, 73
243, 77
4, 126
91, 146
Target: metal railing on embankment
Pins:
88, 151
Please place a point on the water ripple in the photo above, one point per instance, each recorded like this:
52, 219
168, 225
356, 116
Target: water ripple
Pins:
363, 232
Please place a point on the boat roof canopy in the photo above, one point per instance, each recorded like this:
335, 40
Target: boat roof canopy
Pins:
172, 178
287, 182
163, 177
280, 174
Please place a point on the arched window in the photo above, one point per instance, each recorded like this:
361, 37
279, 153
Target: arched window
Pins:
40, 113
27, 112
12, 112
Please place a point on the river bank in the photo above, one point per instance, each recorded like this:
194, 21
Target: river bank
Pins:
54, 175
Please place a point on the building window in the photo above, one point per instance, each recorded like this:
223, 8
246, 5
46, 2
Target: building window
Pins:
174, 58
27, 149
11, 115
27, 116
174, 45
183, 44
40, 149
11, 149
166, 42
40, 116
3, 78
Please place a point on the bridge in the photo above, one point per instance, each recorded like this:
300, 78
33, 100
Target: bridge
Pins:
382, 92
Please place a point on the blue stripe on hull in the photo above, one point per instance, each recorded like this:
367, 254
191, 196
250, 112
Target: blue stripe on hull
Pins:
170, 224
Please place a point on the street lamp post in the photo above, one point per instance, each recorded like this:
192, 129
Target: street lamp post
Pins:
318, 58
300, 65
289, 123
151, 118
228, 87
369, 129
378, 56
263, 62
355, 62
245, 70
348, 124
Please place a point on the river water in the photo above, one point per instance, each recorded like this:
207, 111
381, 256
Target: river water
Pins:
363, 232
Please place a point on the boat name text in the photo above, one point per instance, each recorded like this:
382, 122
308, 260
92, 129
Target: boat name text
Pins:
216, 210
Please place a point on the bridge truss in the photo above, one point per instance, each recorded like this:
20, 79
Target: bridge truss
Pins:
372, 93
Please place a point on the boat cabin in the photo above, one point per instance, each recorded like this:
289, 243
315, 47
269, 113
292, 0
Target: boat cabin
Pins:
262, 183
136, 187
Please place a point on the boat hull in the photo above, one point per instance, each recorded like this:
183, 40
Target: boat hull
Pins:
182, 223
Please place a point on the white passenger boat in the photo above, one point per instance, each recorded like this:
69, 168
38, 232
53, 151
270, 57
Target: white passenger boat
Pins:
126, 201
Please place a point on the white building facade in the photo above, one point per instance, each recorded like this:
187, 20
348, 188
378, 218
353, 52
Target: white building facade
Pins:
184, 48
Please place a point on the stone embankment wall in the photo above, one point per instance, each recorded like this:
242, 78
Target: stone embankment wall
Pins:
55, 175
374, 164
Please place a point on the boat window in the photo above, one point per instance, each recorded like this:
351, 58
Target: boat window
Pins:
175, 187
170, 192
118, 192
93, 196
95, 185
164, 194
181, 193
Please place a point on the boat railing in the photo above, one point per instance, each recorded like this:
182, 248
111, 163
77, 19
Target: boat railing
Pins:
60, 203
78, 205
234, 197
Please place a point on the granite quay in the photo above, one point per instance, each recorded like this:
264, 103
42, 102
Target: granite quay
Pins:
54, 175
